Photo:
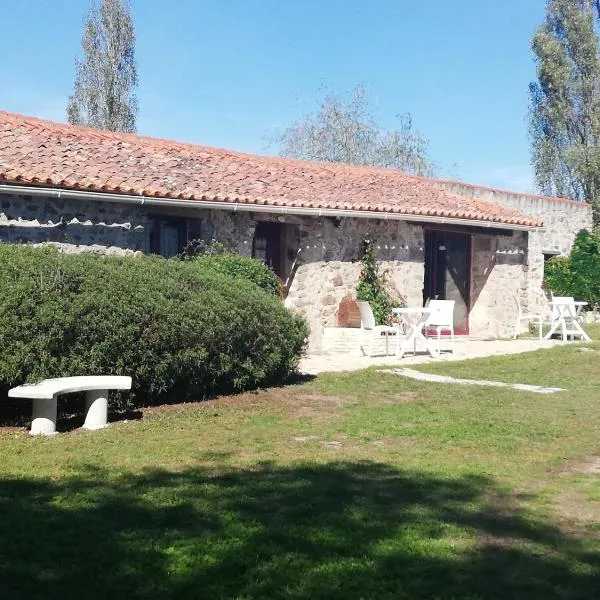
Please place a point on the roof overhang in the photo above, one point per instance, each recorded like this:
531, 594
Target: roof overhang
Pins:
255, 208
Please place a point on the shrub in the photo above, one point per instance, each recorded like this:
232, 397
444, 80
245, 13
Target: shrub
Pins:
585, 267
199, 247
242, 267
579, 274
557, 276
372, 285
223, 259
180, 329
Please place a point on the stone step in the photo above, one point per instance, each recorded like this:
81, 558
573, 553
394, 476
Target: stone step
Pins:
346, 340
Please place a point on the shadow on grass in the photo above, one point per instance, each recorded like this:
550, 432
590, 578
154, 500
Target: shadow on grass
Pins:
342, 530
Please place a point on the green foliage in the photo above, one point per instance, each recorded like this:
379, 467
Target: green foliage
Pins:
243, 267
434, 492
579, 274
565, 102
372, 285
106, 78
585, 267
349, 132
219, 258
557, 276
197, 247
182, 330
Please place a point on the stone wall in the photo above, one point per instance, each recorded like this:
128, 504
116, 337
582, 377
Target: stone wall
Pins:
562, 220
109, 227
73, 225
499, 273
328, 268
235, 230
322, 253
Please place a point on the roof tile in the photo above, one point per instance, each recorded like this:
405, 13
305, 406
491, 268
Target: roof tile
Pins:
68, 156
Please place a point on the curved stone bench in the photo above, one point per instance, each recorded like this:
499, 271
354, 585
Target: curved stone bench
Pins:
44, 395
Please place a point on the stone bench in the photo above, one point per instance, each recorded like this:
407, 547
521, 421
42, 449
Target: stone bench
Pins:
44, 395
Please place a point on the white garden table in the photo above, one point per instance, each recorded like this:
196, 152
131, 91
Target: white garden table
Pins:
566, 320
415, 319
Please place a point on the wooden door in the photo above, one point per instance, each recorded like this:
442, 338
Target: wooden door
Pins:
448, 273
267, 245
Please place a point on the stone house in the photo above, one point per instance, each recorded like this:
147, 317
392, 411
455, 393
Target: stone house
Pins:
84, 189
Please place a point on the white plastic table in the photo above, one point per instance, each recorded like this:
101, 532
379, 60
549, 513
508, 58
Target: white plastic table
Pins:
566, 320
415, 319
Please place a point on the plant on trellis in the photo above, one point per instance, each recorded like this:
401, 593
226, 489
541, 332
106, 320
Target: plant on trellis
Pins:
372, 285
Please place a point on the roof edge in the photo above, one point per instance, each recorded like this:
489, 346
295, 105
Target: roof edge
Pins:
134, 138
486, 188
237, 206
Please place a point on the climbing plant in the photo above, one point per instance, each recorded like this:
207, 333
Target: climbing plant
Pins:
372, 285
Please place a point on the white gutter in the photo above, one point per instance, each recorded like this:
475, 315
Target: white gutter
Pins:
247, 207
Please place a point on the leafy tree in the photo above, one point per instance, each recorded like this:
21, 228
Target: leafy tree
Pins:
577, 275
103, 94
348, 132
565, 102
557, 276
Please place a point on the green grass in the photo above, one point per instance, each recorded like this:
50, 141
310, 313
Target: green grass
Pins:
362, 485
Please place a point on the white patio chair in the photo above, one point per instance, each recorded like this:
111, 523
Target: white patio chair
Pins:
441, 318
569, 301
371, 331
566, 316
521, 316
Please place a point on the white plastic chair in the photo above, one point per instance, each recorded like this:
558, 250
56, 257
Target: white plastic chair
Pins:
565, 311
521, 316
441, 318
370, 330
565, 301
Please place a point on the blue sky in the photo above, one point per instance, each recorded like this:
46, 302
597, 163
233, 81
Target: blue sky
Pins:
234, 73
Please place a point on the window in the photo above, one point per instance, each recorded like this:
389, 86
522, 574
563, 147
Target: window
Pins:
168, 236
548, 254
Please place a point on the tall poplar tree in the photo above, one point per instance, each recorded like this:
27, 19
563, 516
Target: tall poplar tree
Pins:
106, 77
565, 102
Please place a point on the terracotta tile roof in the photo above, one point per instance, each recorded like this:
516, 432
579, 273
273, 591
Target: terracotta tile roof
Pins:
38, 152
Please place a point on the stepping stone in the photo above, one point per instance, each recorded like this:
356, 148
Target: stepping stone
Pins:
431, 377
332, 444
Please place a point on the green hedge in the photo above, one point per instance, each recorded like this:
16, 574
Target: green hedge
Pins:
242, 267
182, 330
577, 275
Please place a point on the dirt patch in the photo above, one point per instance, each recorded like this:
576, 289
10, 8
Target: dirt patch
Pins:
315, 407
592, 466
575, 514
304, 438
405, 398
395, 443
589, 465
495, 521
495, 542
317, 414
13, 431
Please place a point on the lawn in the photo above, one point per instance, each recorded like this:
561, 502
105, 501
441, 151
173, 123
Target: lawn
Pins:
347, 486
